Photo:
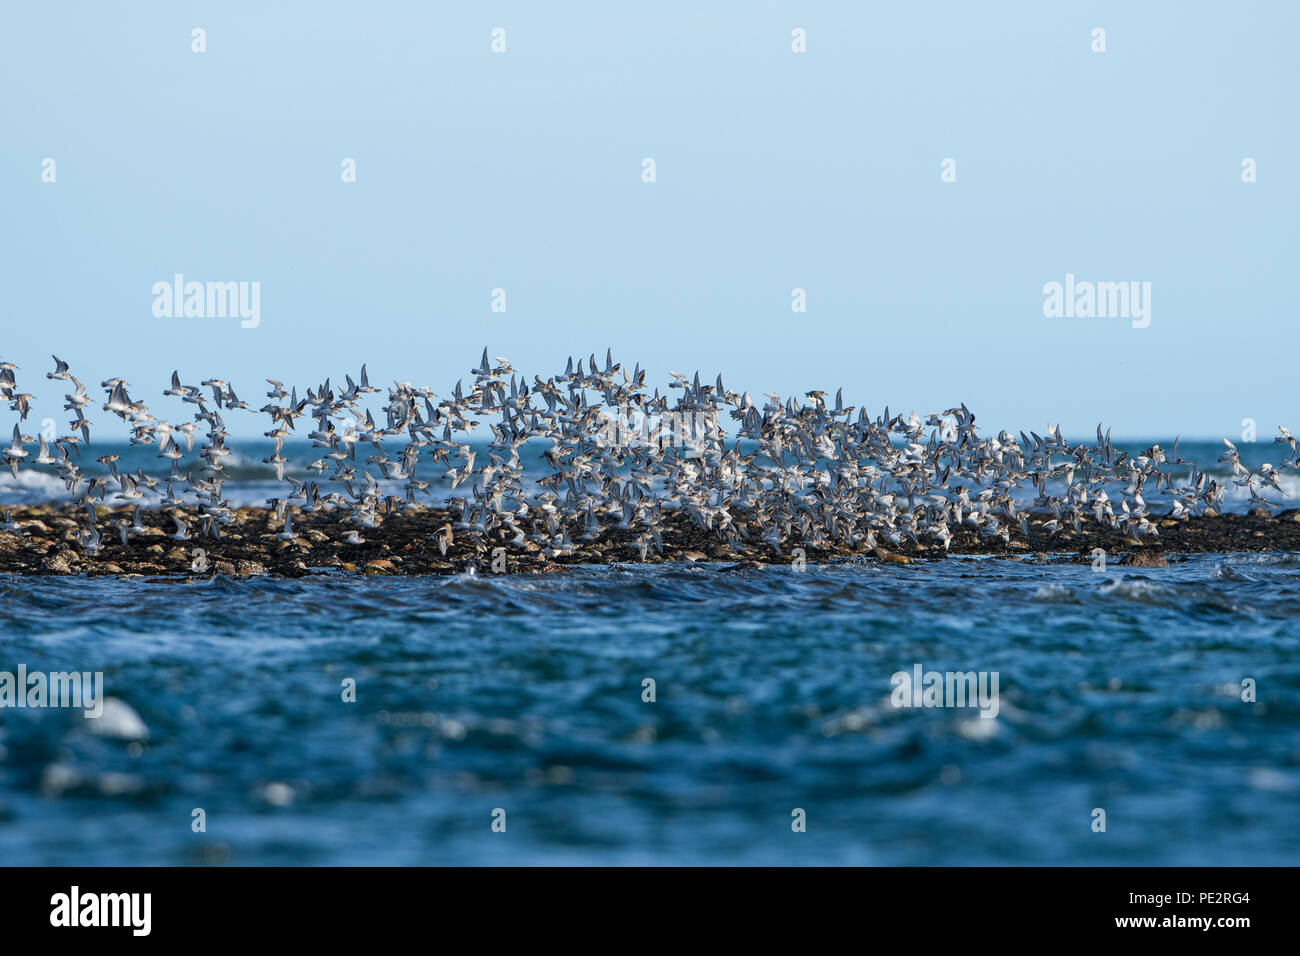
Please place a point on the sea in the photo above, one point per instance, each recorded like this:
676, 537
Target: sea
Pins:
665, 714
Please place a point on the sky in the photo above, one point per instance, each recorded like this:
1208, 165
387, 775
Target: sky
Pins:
774, 170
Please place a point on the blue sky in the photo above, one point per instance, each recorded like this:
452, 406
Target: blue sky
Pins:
775, 170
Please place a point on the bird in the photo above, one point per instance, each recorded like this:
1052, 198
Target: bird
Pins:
9, 526
286, 534
617, 456
16, 453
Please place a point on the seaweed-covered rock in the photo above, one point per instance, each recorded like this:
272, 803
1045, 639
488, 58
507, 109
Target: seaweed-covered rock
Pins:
1145, 559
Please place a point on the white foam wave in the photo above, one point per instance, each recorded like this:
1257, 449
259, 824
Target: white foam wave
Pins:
31, 487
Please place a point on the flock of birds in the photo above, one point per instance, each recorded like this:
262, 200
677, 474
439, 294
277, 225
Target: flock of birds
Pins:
812, 472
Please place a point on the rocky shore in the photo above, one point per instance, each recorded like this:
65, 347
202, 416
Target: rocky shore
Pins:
46, 542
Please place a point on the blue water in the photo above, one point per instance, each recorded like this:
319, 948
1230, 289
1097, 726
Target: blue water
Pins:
1118, 690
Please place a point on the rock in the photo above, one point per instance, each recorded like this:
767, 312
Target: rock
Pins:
411, 534
883, 555
59, 563
1145, 559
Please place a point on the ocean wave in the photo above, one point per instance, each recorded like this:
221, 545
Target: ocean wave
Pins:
1273, 559
31, 487
1138, 589
1053, 593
